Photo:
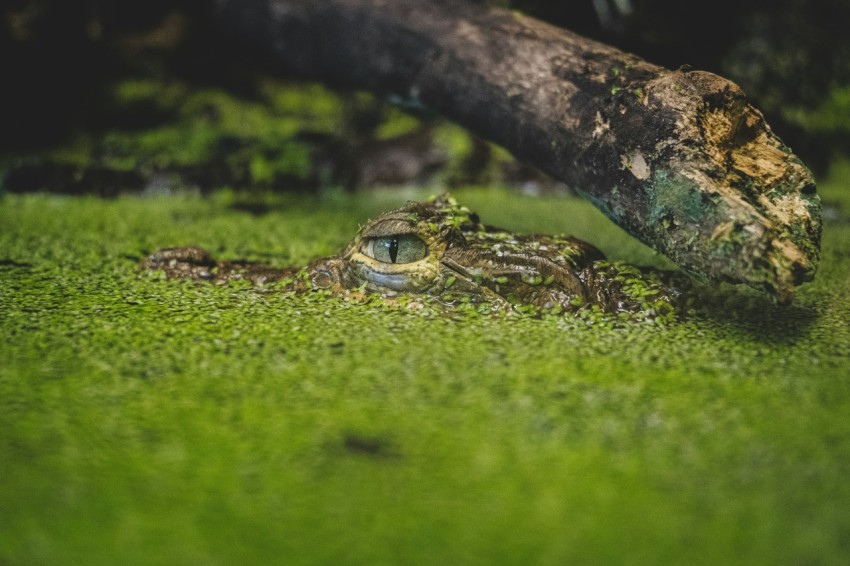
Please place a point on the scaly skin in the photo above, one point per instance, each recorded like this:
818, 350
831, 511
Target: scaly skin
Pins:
440, 250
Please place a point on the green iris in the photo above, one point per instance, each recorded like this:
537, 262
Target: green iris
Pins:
402, 248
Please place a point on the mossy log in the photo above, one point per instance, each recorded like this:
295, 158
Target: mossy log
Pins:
680, 159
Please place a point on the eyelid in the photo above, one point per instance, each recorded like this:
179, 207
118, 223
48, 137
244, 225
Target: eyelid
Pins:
391, 227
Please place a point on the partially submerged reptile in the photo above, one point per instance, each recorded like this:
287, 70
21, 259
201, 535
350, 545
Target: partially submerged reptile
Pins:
440, 252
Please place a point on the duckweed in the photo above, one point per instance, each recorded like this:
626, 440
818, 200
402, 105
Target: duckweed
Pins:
156, 421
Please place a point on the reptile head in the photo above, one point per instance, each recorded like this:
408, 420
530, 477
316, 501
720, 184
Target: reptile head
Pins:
440, 252
441, 249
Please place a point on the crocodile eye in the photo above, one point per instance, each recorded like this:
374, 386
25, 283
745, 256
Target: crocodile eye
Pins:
401, 248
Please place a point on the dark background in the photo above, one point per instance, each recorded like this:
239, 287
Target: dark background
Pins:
60, 59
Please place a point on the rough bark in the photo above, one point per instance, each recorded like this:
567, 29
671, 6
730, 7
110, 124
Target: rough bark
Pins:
680, 159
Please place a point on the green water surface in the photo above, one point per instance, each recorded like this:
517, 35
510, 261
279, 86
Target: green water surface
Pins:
146, 421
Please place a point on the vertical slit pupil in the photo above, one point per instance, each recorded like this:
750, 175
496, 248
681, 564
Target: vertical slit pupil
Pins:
393, 249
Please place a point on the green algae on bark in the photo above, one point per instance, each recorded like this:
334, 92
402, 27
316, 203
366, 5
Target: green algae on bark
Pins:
679, 158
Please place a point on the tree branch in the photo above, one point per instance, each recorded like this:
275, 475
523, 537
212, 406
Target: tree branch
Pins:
680, 159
